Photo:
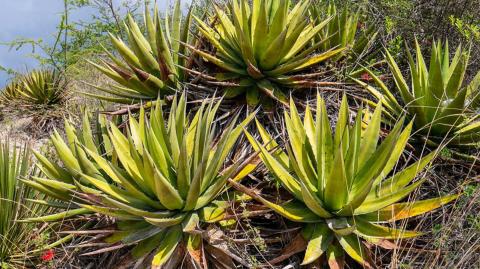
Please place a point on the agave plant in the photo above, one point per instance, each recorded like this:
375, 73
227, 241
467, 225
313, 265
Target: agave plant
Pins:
151, 65
19, 242
443, 107
343, 31
11, 92
43, 88
342, 190
161, 183
261, 47
61, 191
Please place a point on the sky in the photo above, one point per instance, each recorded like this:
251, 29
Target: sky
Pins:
31, 19
34, 19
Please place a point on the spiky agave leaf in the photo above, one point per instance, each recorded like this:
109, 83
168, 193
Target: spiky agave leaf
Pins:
151, 64
10, 92
444, 108
160, 181
341, 181
17, 247
261, 45
345, 30
42, 88
63, 189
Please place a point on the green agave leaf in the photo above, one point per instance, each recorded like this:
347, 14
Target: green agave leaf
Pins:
125, 52
336, 187
367, 229
109, 189
402, 178
191, 223
52, 170
223, 64
370, 137
165, 222
136, 211
147, 246
195, 187
313, 203
407, 210
470, 129
473, 91
396, 153
53, 193
325, 147
318, 243
59, 216
65, 154
213, 212
352, 246
165, 192
167, 246
362, 184
139, 235
277, 168
399, 80
293, 210
115, 175
372, 205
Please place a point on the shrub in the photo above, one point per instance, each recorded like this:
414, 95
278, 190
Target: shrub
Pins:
341, 185
19, 244
151, 65
262, 48
160, 183
39, 89
442, 107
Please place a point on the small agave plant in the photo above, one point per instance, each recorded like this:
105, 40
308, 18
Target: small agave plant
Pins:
343, 191
261, 48
42, 88
18, 249
152, 64
161, 182
343, 31
11, 92
443, 108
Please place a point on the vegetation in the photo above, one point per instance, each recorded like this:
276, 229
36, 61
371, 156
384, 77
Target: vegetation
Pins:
158, 166
341, 184
443, 107
152, 65
39, 89
261, 46
17, 242
161, 183
345, 30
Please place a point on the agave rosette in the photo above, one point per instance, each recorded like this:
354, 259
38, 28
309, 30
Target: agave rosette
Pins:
443, 107
10, 92
160, 182
262, 47
343, 191
39, 88
152, 64
345, 30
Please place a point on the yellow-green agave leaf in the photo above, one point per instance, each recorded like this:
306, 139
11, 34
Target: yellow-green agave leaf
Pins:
343, 180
